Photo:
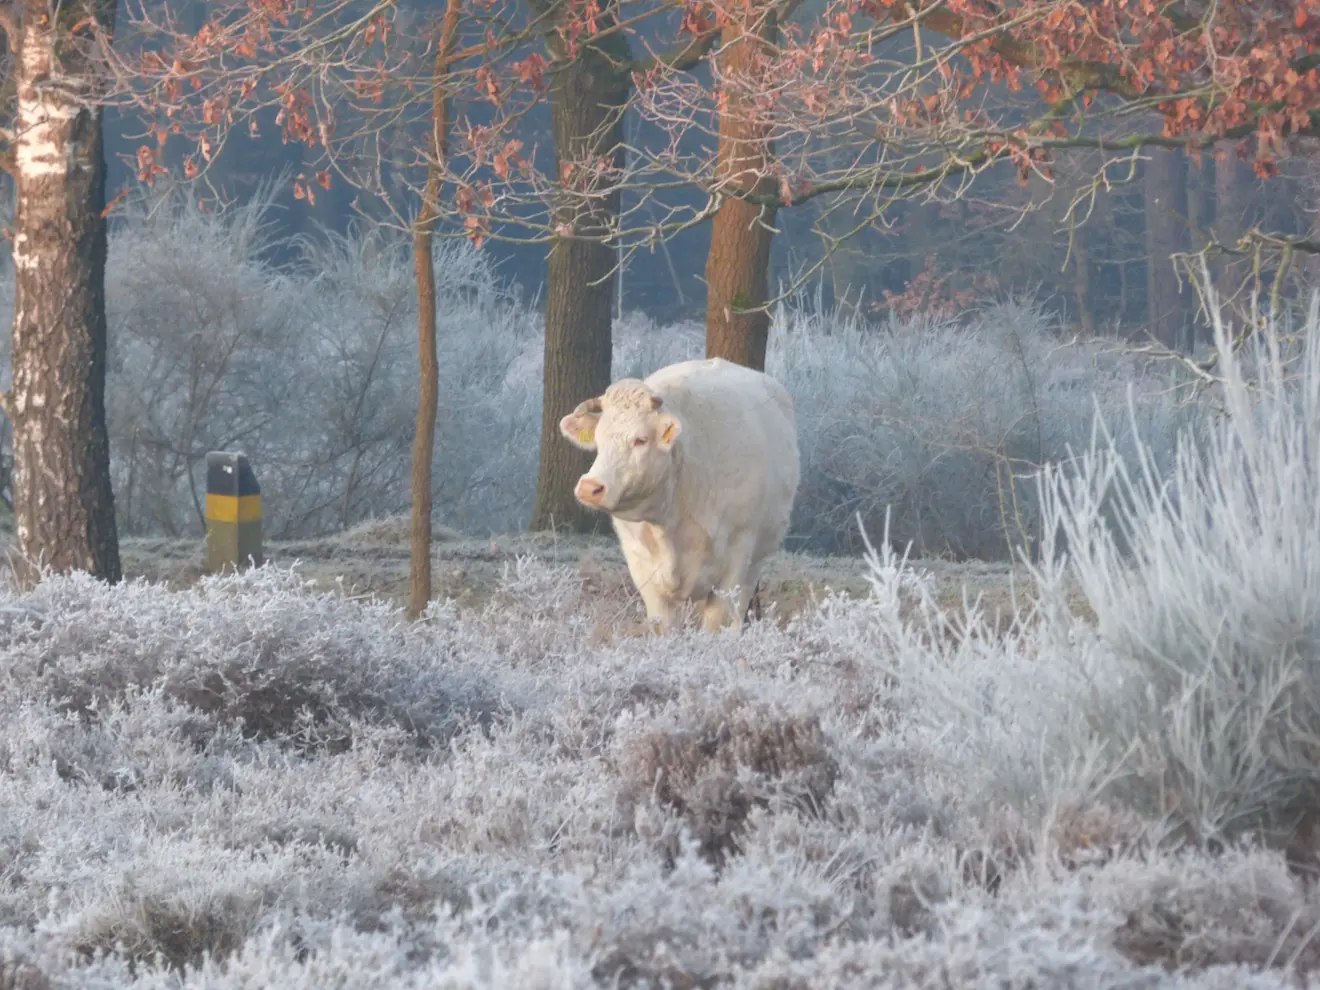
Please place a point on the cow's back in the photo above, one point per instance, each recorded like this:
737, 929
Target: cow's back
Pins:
739, 456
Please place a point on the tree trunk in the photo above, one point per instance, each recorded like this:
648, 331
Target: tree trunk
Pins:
1200, 214
64, 506
1166, 233
428, 392
1082, 282
1200, 197
586, 101
738, 266
1234, 188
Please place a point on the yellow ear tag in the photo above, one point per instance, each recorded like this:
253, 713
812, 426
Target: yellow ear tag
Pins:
585, 434
668, 436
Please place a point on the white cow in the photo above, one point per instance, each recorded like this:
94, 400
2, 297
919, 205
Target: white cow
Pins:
698, 468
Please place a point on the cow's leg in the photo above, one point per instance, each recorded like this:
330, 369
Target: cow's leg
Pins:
755, 608
717, 611
660, 611
752, 602
653, 581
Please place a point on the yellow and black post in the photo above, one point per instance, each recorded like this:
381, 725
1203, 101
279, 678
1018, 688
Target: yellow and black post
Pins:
233, 513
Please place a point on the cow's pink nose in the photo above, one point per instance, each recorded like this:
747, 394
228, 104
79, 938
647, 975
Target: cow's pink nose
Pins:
589, 491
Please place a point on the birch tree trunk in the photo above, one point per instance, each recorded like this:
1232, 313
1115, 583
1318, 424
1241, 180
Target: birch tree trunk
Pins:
63, 503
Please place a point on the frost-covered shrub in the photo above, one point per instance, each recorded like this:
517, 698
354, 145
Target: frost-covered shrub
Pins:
1208, 610
251, 783
714, 764
1191, 693
364, 388
203, 350
641, 347
261, 656
311, 370
944, 423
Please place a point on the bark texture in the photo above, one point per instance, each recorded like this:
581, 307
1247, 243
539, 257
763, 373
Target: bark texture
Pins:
428, 395
1167, 309
63, 503
1081, 261
586, 96
738, 266
428, 392
1235, 188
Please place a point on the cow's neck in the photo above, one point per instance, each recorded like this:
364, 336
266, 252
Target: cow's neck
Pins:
661, 508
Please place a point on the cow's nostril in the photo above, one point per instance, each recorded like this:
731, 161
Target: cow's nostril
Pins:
590, 490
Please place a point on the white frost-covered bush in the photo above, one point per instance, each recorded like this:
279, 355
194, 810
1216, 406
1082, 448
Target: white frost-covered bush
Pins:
1208, 607
1190, 693
943, 424
310, 369
253, 784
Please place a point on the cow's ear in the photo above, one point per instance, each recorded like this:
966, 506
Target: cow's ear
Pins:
667, 430
579, 426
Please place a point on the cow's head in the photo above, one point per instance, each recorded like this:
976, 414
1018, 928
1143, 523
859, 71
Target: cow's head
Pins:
633, 439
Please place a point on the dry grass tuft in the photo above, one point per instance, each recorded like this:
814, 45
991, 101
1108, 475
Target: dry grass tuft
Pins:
19, 974
713, 763
148, 928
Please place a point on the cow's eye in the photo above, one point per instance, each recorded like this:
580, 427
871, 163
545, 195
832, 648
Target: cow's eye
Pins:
639, 441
